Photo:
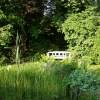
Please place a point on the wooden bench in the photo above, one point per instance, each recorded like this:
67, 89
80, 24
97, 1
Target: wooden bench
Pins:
59, 54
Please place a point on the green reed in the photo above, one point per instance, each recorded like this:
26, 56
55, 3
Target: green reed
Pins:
31, 81
35, 81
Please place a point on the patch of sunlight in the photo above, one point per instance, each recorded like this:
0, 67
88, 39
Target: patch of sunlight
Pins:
94, 67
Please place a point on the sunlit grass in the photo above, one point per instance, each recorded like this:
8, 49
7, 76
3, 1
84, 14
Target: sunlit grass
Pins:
35, 81
31, 81
94, 67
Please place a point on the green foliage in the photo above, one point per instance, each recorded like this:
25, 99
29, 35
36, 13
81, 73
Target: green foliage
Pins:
73, 5
35, 30
95, 54
79, 82
3, 59
66, 7
79, 30
39, 33
87, 60
5, 34
2, 15
47, 79
57, 21
82, 79
5, 29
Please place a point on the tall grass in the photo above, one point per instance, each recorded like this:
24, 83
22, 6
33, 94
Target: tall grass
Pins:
35, 81
32, 81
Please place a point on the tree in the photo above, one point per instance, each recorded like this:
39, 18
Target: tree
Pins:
22, 15
5, 35
80, 30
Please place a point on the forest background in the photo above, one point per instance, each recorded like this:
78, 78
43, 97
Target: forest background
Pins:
29, 28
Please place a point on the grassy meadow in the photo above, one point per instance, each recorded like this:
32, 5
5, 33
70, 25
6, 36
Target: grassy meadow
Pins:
38, 81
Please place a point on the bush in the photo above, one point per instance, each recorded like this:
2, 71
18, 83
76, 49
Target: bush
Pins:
80, 81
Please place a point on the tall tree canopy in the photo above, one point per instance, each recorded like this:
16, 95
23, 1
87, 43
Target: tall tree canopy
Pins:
45, 25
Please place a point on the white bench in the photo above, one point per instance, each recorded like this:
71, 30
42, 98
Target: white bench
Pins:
59, 54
